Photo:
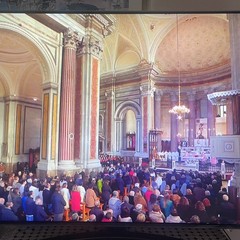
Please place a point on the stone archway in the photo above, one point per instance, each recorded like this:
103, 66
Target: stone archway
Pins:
28, 65
120, 123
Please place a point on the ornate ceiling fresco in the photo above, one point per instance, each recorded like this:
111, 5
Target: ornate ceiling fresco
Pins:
203, 46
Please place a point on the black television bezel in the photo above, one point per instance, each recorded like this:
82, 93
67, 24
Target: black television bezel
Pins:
165, 6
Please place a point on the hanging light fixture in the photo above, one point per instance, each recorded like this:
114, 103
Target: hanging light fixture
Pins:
179, 110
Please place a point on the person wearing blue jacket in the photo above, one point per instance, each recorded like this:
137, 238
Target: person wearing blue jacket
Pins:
30, 207
58, 204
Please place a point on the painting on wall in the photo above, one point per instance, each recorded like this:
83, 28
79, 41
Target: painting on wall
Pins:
32, 128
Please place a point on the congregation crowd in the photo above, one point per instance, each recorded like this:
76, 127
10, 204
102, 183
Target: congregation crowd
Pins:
118, 193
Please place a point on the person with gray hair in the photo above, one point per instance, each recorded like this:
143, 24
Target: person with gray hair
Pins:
114, 203
126, 204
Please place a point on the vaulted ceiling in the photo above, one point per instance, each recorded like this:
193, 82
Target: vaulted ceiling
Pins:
203, 46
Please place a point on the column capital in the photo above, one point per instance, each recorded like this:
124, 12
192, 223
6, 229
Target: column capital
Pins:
91, 45
71, 39
147, 88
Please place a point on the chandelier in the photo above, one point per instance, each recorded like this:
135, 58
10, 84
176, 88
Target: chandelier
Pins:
179, 110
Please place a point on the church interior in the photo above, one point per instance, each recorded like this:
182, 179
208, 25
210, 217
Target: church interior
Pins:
77, 89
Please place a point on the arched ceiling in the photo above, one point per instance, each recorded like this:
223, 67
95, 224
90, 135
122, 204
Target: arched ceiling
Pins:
21, 75
203, 42
200, 44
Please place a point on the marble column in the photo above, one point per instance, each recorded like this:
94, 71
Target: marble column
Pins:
229, 118
49, 145
192, 119
89, 55
67, 111
236, 114
174, 125
211, 119
157, 115
110, 127
147, 104
234, 26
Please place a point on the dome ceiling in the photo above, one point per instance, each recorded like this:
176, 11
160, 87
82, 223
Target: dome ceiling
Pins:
203, 45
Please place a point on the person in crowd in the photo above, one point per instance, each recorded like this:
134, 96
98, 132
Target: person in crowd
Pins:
108, 217
124, 215
47, 194
39, 213
91, 196
30, 207
174, 217
33, 187
200, 211
66, 195
120, 184
106, 193
114, 203
139, 199
75, 199
131, 197
166, 204
136, 211
58, 204
80, 188
7, 214
141, 217
184, 209
152, 201
199, 191
92, 218
227, 211
148, 193
75, 217
156, 215
194, 219
23, 183
97, 211
125, 203
2, 201
17, 202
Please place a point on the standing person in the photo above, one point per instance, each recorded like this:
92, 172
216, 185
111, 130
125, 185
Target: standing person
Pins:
47, 194
8, 214
75, 199
106, 193
30, 206
58, 204
166, 204
66, 194
91, 196
156, 215
40, 214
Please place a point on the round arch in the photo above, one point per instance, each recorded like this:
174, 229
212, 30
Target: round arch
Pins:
41, 52
124, 107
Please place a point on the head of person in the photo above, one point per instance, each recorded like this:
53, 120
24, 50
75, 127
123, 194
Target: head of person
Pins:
75, 217
200, 206
115, 194
156, 208
184, 201
125, 212
141, 217
38, 201
126, 199
174, 212
195, 219
92, 218
153, 198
